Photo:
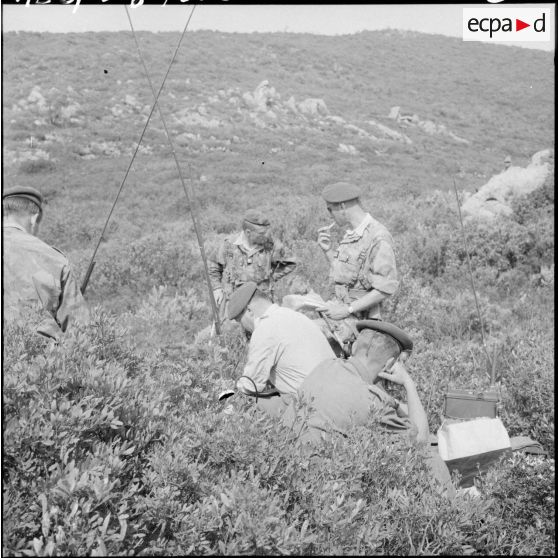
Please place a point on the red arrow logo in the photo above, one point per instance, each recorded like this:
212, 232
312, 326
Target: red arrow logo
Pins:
519, 25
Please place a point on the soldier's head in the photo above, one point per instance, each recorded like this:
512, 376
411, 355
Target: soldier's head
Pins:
507, 162
23, 205
343, 202
256, 227
246, 304
377, 343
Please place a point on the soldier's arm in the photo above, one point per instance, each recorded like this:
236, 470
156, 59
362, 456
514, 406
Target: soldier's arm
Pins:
417, 415
369, 299
381, 268
215, 266
281, 263
380, 274
260, 361
72, 305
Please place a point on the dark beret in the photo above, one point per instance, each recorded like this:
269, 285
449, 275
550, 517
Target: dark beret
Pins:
240, 299
404, 341
256, 218
340, 192
24, 192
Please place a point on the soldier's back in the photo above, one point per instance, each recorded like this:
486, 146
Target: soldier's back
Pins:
30, 268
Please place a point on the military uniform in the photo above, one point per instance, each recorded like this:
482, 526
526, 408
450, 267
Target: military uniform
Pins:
364, 260
234, 264
37, 279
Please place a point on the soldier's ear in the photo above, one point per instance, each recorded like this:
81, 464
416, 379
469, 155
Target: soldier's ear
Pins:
35, 220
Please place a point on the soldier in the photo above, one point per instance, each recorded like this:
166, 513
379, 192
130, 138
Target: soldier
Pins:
289, 360
251, 255
362, 268
36, 275
285, 345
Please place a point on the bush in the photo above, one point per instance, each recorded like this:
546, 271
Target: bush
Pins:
497, 247
34, 166
109, 451
523, 494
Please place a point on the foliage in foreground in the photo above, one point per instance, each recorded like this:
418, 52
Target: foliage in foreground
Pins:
112, 451
114, 442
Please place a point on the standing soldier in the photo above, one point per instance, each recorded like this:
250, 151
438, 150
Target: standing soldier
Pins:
251, 255
362, 268
36, 275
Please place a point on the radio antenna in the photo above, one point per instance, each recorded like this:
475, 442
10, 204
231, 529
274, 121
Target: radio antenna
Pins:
491, 366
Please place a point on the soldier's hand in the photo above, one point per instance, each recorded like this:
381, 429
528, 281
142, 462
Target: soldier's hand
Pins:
334, 311
218, 294
324, 237
395, 371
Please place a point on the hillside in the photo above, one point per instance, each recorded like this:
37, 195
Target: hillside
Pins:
93, 100
114, 441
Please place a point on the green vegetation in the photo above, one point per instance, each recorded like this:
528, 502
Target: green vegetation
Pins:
113, 441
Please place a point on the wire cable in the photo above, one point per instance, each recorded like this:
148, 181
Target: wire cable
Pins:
92, 261
469, 267
188, 196
254, 384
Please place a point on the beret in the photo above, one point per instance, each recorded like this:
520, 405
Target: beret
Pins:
404, 341
256, 218
24, 192
340, 192
240, 299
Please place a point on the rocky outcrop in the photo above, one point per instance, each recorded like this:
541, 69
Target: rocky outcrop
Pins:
55, 107
428, 126
313, 107
496, 196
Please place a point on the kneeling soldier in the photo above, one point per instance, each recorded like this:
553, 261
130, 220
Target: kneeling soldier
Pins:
36, 275
251, 255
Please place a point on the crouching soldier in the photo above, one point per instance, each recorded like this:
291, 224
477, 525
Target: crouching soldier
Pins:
37, 277
284, 346
251, 255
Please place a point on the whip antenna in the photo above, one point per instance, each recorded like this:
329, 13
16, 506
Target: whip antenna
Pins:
470, 269
188, 197
92, 261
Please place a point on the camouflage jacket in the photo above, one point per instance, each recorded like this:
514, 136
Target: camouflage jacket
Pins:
39, 277
364, 260
233, 264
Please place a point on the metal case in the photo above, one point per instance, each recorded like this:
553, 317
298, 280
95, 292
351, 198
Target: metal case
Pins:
464, 404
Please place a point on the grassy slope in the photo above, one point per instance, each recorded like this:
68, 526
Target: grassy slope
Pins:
497, 97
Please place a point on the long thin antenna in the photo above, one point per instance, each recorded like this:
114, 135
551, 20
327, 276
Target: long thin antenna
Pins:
92, 261
470, 268
188, 197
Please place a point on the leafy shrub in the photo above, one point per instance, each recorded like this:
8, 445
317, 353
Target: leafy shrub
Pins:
499, 246
109, 451
523, 494
34, 166
537, 204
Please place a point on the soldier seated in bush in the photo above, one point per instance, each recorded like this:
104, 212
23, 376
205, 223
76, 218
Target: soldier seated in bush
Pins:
38, 279
339, 394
